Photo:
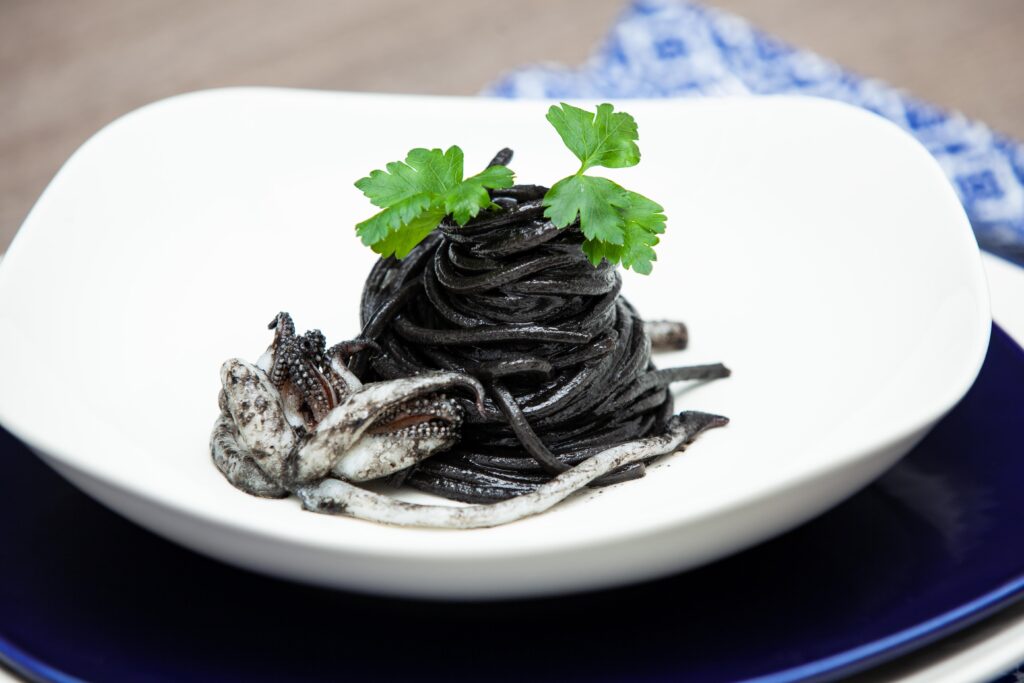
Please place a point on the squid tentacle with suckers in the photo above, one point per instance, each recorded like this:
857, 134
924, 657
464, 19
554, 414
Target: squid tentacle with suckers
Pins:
298, 421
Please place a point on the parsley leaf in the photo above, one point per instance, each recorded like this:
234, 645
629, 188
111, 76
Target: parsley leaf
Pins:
620, 226
644, 220
466, 199
603, 138
417, 193
597, 202
375, 229
401, 242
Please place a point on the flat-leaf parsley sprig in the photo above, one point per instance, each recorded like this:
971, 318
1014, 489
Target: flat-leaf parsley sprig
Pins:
618, 225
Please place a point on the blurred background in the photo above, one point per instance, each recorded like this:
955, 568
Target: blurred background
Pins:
67, 67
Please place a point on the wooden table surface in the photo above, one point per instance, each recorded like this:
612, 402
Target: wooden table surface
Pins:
67, 67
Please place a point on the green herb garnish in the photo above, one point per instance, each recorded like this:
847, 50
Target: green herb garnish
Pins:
417, 193
620, 226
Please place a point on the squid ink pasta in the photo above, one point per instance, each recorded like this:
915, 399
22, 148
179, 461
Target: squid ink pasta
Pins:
511, 300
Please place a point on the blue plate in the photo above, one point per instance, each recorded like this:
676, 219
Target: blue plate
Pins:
927, 549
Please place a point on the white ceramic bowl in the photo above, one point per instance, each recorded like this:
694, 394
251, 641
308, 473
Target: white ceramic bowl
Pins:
814, 248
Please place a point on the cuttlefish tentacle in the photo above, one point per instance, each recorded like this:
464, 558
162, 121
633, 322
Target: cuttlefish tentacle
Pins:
307, 373
374, 455
341, 378
375, 431
336, 496
272, 363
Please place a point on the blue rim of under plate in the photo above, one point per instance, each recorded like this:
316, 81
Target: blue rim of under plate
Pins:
929, 548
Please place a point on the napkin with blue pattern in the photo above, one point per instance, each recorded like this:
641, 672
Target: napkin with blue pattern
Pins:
668, 48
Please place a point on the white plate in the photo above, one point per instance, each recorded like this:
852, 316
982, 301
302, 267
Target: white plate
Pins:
814, 248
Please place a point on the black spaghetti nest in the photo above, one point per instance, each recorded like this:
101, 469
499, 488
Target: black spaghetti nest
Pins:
512, 300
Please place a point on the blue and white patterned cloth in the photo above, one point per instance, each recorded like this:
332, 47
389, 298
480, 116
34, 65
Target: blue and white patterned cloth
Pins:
666, 48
